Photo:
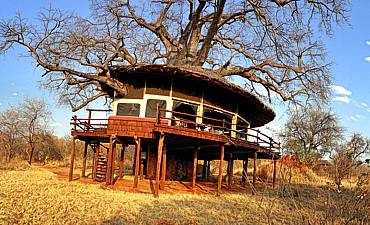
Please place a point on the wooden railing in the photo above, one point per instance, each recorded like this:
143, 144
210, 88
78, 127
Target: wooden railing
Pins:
221, 127
89, 124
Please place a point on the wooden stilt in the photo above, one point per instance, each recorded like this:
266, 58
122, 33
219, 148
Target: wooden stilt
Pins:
121, 159
164, 164
114, 156
208, 169
195, 163
141, 177
245, 170
83, 173
95, 167
228, 171
274, 175
93, 161
219, 181
73, 155
231, 172
254, 169
204, 169
158, 170
147, 161
109, 162
137, 162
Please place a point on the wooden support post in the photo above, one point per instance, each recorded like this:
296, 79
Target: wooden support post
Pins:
231, 172
208, 169
93, 161
164, 164
245, 170
114, 156
254, 169
158, 170
83, 174
195, 163
95, 167
204, 169
219, 181
274, 175
73, 155
228, 171
89, 120
141, 177
109, 162
137, 162
121, 160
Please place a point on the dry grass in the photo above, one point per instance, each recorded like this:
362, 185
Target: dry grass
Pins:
35, 196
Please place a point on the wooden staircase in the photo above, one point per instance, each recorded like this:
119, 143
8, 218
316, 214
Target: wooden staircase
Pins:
101, 167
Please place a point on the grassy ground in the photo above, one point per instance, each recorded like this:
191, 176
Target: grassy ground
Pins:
32, 195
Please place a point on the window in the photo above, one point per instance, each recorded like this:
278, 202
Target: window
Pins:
151, 107
128, 109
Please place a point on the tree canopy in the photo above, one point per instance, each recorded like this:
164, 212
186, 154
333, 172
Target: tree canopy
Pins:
271, 44
311, 133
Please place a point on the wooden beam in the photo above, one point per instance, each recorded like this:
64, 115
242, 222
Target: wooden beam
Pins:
158, 170
73, 156
230, 171
95, 167
245, 170
93, 161
254, 169
121, 160
137, 161
164, 164
84, 158
141, 176
114, 156
195, 163
208, 168
109, 162
219, 181
274, 175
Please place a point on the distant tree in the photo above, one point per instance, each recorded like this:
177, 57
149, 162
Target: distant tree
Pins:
10, 129
34, 117
272, 44
311, 133
347, 155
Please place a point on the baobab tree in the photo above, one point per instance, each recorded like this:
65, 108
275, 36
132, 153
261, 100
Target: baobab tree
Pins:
271, 44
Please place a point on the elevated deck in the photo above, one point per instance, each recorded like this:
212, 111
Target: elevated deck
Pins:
180, 134
170, 147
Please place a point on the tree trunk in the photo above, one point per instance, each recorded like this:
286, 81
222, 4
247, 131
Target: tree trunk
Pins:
30, 154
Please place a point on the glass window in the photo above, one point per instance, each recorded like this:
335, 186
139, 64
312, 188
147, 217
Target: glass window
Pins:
128, 109
151, 107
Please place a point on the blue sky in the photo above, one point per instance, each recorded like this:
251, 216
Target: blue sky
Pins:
348, 49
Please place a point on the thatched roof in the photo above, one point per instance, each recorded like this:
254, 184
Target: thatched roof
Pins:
265, 114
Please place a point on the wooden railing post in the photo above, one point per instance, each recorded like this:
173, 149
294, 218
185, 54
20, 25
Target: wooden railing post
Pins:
74, 123
158, 116
271, 144
89, 121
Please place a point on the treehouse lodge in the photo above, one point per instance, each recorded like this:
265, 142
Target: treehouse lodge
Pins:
175, 117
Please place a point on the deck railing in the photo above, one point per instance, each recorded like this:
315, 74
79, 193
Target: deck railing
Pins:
217, 126
90, 124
